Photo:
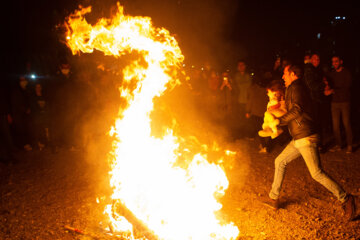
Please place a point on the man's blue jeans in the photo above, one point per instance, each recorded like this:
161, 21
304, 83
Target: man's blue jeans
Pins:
307, 148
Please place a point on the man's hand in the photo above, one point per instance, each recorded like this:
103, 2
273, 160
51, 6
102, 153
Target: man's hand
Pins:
225, 83
328, 91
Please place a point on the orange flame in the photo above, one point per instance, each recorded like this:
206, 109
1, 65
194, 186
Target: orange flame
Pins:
175, 203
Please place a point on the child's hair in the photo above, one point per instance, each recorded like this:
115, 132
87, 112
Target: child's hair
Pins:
276, 86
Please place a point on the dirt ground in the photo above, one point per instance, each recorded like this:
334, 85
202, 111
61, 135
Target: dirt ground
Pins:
43, 192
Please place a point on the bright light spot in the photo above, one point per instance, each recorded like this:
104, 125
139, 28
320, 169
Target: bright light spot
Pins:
230, 153
318, 35
33, 76
344, 18
68, 37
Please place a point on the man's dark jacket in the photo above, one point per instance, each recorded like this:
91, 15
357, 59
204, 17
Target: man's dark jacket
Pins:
299, 111
313, 78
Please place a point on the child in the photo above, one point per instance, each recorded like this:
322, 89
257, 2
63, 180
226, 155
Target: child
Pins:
275, 109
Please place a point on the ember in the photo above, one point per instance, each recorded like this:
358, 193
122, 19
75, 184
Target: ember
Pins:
173, 202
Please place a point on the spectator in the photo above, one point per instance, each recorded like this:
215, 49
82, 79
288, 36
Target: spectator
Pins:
242, 82
340, 80
314, 80
61, 122
20, 112
196, 81
226, 89
255, 109
40, 117
301, 127
276, 72
213, 94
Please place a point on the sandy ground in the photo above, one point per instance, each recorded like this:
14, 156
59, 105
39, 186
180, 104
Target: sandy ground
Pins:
43, 192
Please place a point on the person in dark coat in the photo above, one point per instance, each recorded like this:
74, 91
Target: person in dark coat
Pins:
60, 105
314, 80
255, 109
20, 112
40, 117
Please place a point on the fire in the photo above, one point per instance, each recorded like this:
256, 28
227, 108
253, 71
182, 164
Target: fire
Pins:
172, 201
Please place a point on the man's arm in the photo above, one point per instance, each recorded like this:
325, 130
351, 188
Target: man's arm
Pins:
296, 109
311, 80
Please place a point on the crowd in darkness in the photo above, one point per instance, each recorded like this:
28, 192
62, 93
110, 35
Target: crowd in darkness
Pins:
242, 95
55, 111
62, 110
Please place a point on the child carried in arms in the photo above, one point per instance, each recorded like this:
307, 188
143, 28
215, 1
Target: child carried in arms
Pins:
275, 109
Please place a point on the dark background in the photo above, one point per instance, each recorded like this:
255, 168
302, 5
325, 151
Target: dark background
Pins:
207, 30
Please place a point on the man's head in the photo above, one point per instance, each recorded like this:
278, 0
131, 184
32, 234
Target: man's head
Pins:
307, 58
291, 74
241, 66
277, 63
65, 68
337, 63
23, 82
315, 60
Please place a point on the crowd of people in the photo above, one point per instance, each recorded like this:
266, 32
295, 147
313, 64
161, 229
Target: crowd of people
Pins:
244, 94
54, 113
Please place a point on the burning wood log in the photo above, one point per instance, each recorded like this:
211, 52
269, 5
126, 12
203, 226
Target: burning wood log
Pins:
138, 225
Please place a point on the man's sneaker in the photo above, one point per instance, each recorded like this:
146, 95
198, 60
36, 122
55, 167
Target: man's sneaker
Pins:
349, 208
272, 203
349, 149
336, 148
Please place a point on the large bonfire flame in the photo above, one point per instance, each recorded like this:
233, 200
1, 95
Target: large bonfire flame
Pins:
173, 202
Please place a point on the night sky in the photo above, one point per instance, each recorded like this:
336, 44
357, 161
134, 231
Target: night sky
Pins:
219, 31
